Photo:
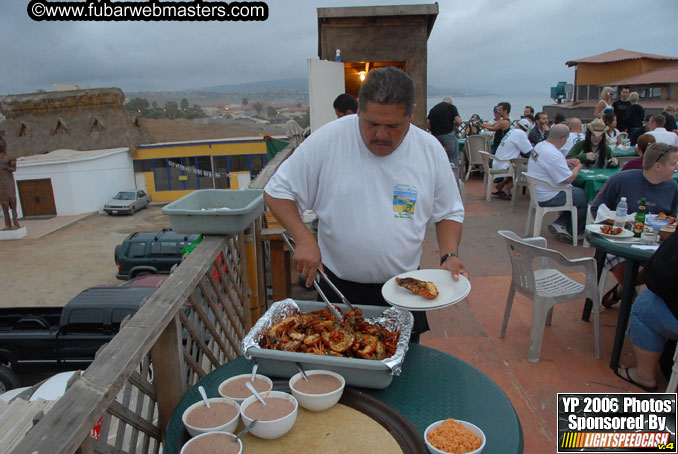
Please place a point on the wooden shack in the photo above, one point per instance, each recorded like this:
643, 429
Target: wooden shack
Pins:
371, 37
614, 67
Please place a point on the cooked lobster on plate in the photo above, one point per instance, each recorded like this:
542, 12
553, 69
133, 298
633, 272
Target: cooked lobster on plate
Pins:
610, 230
319, 333
426, 289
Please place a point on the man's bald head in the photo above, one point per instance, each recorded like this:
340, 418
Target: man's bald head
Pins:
558, 134
574, 124
448, 100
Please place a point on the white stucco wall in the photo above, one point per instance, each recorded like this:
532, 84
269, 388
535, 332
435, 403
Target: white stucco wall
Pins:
82, 181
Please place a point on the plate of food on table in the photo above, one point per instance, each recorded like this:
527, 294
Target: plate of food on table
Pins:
609, 231
424, 290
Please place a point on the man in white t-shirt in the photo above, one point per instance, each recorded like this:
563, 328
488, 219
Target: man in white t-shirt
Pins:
512, 145
375, 182
656, 126
576, 134
548, 163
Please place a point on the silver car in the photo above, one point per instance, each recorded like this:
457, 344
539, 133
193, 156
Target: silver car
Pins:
128, 201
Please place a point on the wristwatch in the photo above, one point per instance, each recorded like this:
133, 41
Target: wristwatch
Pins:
447, 256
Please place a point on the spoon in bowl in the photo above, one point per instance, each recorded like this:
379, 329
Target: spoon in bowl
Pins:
201, 390
254, 371
254, 391
245, 430
301, 370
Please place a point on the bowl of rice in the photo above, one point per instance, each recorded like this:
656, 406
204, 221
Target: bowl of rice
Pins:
450, 436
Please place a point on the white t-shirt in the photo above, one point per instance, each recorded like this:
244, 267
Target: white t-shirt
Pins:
512, 144
663, 136
573, 138
548, 163
372, 211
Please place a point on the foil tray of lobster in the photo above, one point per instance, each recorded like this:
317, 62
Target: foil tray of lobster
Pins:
367, 346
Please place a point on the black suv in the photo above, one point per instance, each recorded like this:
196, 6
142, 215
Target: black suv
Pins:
150, 253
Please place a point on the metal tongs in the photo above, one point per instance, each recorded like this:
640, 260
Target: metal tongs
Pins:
316, 284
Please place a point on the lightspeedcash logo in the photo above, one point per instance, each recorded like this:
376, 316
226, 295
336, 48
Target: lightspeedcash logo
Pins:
150, 10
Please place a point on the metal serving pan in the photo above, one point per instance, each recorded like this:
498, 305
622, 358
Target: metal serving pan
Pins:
357, 372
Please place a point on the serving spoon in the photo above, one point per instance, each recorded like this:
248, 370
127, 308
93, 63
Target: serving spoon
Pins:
201, 390
254, 391
254, 371
301, 370
245, 430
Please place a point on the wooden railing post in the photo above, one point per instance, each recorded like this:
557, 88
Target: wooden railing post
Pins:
168, 372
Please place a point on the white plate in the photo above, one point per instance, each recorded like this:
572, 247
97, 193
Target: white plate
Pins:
449, 290
595, 228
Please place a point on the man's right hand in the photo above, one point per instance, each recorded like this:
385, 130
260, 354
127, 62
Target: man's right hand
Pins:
307, 258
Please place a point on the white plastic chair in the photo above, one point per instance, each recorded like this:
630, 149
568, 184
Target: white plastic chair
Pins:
473, 145
519, 180
490, 174
460, 184
547, 287
539, 211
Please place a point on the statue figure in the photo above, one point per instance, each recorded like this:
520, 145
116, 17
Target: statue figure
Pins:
7, 188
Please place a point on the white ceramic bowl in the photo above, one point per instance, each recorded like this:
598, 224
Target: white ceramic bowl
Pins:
472, 427
206, 434
317, 402
276, 428
228, 427
240, 400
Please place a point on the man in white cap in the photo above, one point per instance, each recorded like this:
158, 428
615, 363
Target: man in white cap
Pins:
512, 145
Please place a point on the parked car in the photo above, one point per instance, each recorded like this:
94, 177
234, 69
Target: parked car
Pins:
128, 201
51, 388
150, 253
63, 337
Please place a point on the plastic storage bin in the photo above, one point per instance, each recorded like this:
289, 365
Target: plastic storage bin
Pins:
215, 211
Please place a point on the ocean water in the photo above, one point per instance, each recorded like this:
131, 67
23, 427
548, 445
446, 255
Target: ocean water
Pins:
483, 105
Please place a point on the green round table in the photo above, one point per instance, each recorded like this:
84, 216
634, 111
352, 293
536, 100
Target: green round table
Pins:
432, 386
634, 258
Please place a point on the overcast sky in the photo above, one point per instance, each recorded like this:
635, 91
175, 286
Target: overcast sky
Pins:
508, 46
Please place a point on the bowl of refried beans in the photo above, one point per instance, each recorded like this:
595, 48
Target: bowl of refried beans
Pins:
213, 443
322, 390
222, 415
276, 418
235, 388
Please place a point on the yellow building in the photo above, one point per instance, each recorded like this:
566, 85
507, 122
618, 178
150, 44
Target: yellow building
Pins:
593, 73
171, 170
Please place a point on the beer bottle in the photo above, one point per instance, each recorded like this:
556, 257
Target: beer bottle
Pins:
640, 219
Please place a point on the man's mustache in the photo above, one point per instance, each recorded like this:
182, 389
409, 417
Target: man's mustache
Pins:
381, 142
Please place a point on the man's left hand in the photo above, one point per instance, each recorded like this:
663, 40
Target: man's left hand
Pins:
454, 266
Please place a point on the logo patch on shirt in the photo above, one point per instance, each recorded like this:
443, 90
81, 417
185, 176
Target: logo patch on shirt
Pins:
404, 201
534, 155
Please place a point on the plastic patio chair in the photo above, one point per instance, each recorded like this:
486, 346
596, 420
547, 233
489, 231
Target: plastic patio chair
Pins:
539, 211
473, 145
489, 174
547, 287
460, 184
519, 180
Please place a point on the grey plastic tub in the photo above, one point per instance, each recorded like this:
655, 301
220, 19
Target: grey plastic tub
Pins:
215, 211
357, 372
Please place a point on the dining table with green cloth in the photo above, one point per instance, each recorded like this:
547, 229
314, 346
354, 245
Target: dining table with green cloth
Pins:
620, 152
432, 386
593, 180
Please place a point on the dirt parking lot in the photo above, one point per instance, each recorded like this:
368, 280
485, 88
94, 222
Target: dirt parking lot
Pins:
50, 270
